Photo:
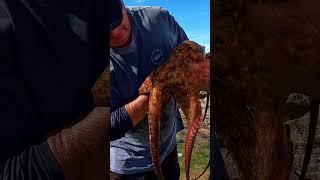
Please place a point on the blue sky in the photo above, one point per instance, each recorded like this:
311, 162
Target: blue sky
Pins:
192, 15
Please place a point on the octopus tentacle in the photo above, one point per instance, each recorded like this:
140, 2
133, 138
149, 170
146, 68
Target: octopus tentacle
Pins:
195, 114
185, 109
145, 88
155, 107
172, 80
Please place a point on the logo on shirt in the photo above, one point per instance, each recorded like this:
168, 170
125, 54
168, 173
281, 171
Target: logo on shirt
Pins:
157, 57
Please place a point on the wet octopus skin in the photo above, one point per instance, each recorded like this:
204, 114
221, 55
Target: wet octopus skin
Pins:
277, 54
173, 79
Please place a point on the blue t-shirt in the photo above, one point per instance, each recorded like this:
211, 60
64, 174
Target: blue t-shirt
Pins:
155, 34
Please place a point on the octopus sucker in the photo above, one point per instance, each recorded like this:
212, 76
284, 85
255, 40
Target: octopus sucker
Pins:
174, 80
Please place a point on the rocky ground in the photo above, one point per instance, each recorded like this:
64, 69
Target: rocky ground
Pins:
299, 132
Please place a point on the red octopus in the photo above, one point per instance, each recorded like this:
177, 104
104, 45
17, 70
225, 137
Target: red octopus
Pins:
173, 79
276, 54
100, 90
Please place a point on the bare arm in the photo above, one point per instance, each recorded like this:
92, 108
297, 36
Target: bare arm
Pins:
137, 109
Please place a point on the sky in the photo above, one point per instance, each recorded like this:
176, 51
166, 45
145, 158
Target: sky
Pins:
192, 15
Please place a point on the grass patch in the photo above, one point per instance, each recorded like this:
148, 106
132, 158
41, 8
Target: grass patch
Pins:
200, 156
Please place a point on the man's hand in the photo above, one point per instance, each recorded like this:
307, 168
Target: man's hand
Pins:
138, 109
200, 72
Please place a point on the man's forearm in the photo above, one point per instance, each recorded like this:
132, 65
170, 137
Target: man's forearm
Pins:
128, 116
81, 150
120, 123
137, 109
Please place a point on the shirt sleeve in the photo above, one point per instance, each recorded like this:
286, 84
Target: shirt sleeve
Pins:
20, 156
36, 163
180, 36
176, 29
120, 121
22, 153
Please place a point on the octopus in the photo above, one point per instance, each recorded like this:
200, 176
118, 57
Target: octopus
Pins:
100, 97
174, 80
254, 71
100, 90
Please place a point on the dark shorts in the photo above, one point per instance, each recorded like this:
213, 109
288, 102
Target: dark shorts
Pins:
170, 169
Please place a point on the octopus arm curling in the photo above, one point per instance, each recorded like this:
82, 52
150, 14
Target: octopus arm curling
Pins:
154, 116
174, 80
194, 120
